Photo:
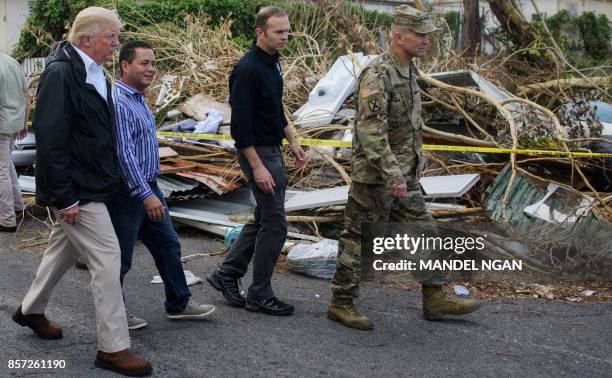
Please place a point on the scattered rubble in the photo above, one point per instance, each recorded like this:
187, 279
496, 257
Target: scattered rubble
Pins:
554, 197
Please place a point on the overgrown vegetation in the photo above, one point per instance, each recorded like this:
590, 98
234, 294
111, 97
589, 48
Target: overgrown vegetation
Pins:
595, 31
50, 19
589, 34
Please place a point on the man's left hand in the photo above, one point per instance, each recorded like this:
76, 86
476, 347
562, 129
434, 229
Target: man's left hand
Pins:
154, 208
300, 155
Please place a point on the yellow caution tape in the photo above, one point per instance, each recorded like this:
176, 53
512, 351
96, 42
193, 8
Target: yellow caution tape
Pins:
426, 147
495, 150
196, 136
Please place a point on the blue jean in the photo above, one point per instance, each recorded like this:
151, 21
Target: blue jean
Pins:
130, 220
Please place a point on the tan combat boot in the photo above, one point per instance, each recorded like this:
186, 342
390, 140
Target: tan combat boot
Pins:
436, 304
343, 310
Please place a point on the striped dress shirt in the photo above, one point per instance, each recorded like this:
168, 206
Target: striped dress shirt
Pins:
136, 140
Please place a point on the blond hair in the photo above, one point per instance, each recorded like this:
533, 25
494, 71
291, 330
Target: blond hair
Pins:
89, 22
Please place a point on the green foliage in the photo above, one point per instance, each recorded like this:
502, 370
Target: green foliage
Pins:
453, 19
51, 19
563, 27
242, 12
595, 31
47, 24
576, 36
559, 20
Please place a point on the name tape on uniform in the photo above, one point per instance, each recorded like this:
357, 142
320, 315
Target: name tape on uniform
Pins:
426, 147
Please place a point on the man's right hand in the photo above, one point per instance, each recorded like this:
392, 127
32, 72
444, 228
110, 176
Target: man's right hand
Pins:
399, 190
264, 179
154, 208
22, 133
69, 215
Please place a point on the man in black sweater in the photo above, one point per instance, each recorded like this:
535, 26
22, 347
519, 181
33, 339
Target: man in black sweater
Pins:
258, 126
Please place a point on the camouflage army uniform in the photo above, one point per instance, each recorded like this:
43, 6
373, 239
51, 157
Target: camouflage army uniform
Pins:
386, 150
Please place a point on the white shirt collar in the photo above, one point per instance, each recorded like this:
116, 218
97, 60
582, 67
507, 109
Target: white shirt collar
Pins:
86, 58
94, 72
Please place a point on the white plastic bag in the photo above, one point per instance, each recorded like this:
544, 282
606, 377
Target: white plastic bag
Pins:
211, 124
315, 260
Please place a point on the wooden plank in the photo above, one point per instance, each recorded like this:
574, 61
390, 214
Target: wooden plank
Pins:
165, 168
212, 169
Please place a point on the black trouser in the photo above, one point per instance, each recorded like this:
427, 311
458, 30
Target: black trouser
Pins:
264, 236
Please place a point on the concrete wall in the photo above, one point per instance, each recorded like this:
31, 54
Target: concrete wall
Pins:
13, 14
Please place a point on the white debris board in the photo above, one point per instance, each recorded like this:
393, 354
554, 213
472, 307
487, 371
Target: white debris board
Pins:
434, 187
27, 184
28, 141
560, 205
331, 91
215, 211
317, 198
448, 186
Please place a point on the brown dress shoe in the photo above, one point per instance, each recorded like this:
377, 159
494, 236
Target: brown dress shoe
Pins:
124, 362
41, 326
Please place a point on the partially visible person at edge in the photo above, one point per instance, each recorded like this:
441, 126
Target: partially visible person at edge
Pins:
139, 210
14, 110
385, 168
76, 173
258, 126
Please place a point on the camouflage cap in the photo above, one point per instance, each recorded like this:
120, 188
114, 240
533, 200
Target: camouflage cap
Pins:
415, 20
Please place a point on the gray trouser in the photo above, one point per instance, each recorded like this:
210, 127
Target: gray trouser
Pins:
263, 237
10, 194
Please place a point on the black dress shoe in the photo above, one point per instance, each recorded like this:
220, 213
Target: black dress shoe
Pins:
270, 306
228, 286
8, 228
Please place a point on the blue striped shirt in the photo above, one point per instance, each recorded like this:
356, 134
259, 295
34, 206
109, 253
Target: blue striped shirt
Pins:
136, 140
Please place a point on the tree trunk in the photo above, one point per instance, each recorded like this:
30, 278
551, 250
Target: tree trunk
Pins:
472, 35
519, 30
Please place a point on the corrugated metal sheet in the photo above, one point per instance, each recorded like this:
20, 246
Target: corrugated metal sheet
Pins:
172, 185
524, 192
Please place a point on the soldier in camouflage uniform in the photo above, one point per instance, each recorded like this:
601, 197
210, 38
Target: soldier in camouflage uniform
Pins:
385, 168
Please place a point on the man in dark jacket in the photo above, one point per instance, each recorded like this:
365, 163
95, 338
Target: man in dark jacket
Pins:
258, 126
76, 172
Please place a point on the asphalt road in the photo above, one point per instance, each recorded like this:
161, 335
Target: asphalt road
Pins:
506, 338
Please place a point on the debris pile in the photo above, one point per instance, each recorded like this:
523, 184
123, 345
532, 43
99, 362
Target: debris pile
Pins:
522, 160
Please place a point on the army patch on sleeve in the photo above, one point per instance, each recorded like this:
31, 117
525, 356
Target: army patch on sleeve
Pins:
374, 105
369, 91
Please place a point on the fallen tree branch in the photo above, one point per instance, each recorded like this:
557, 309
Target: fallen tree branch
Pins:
293, 218
582, 83
338, 167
